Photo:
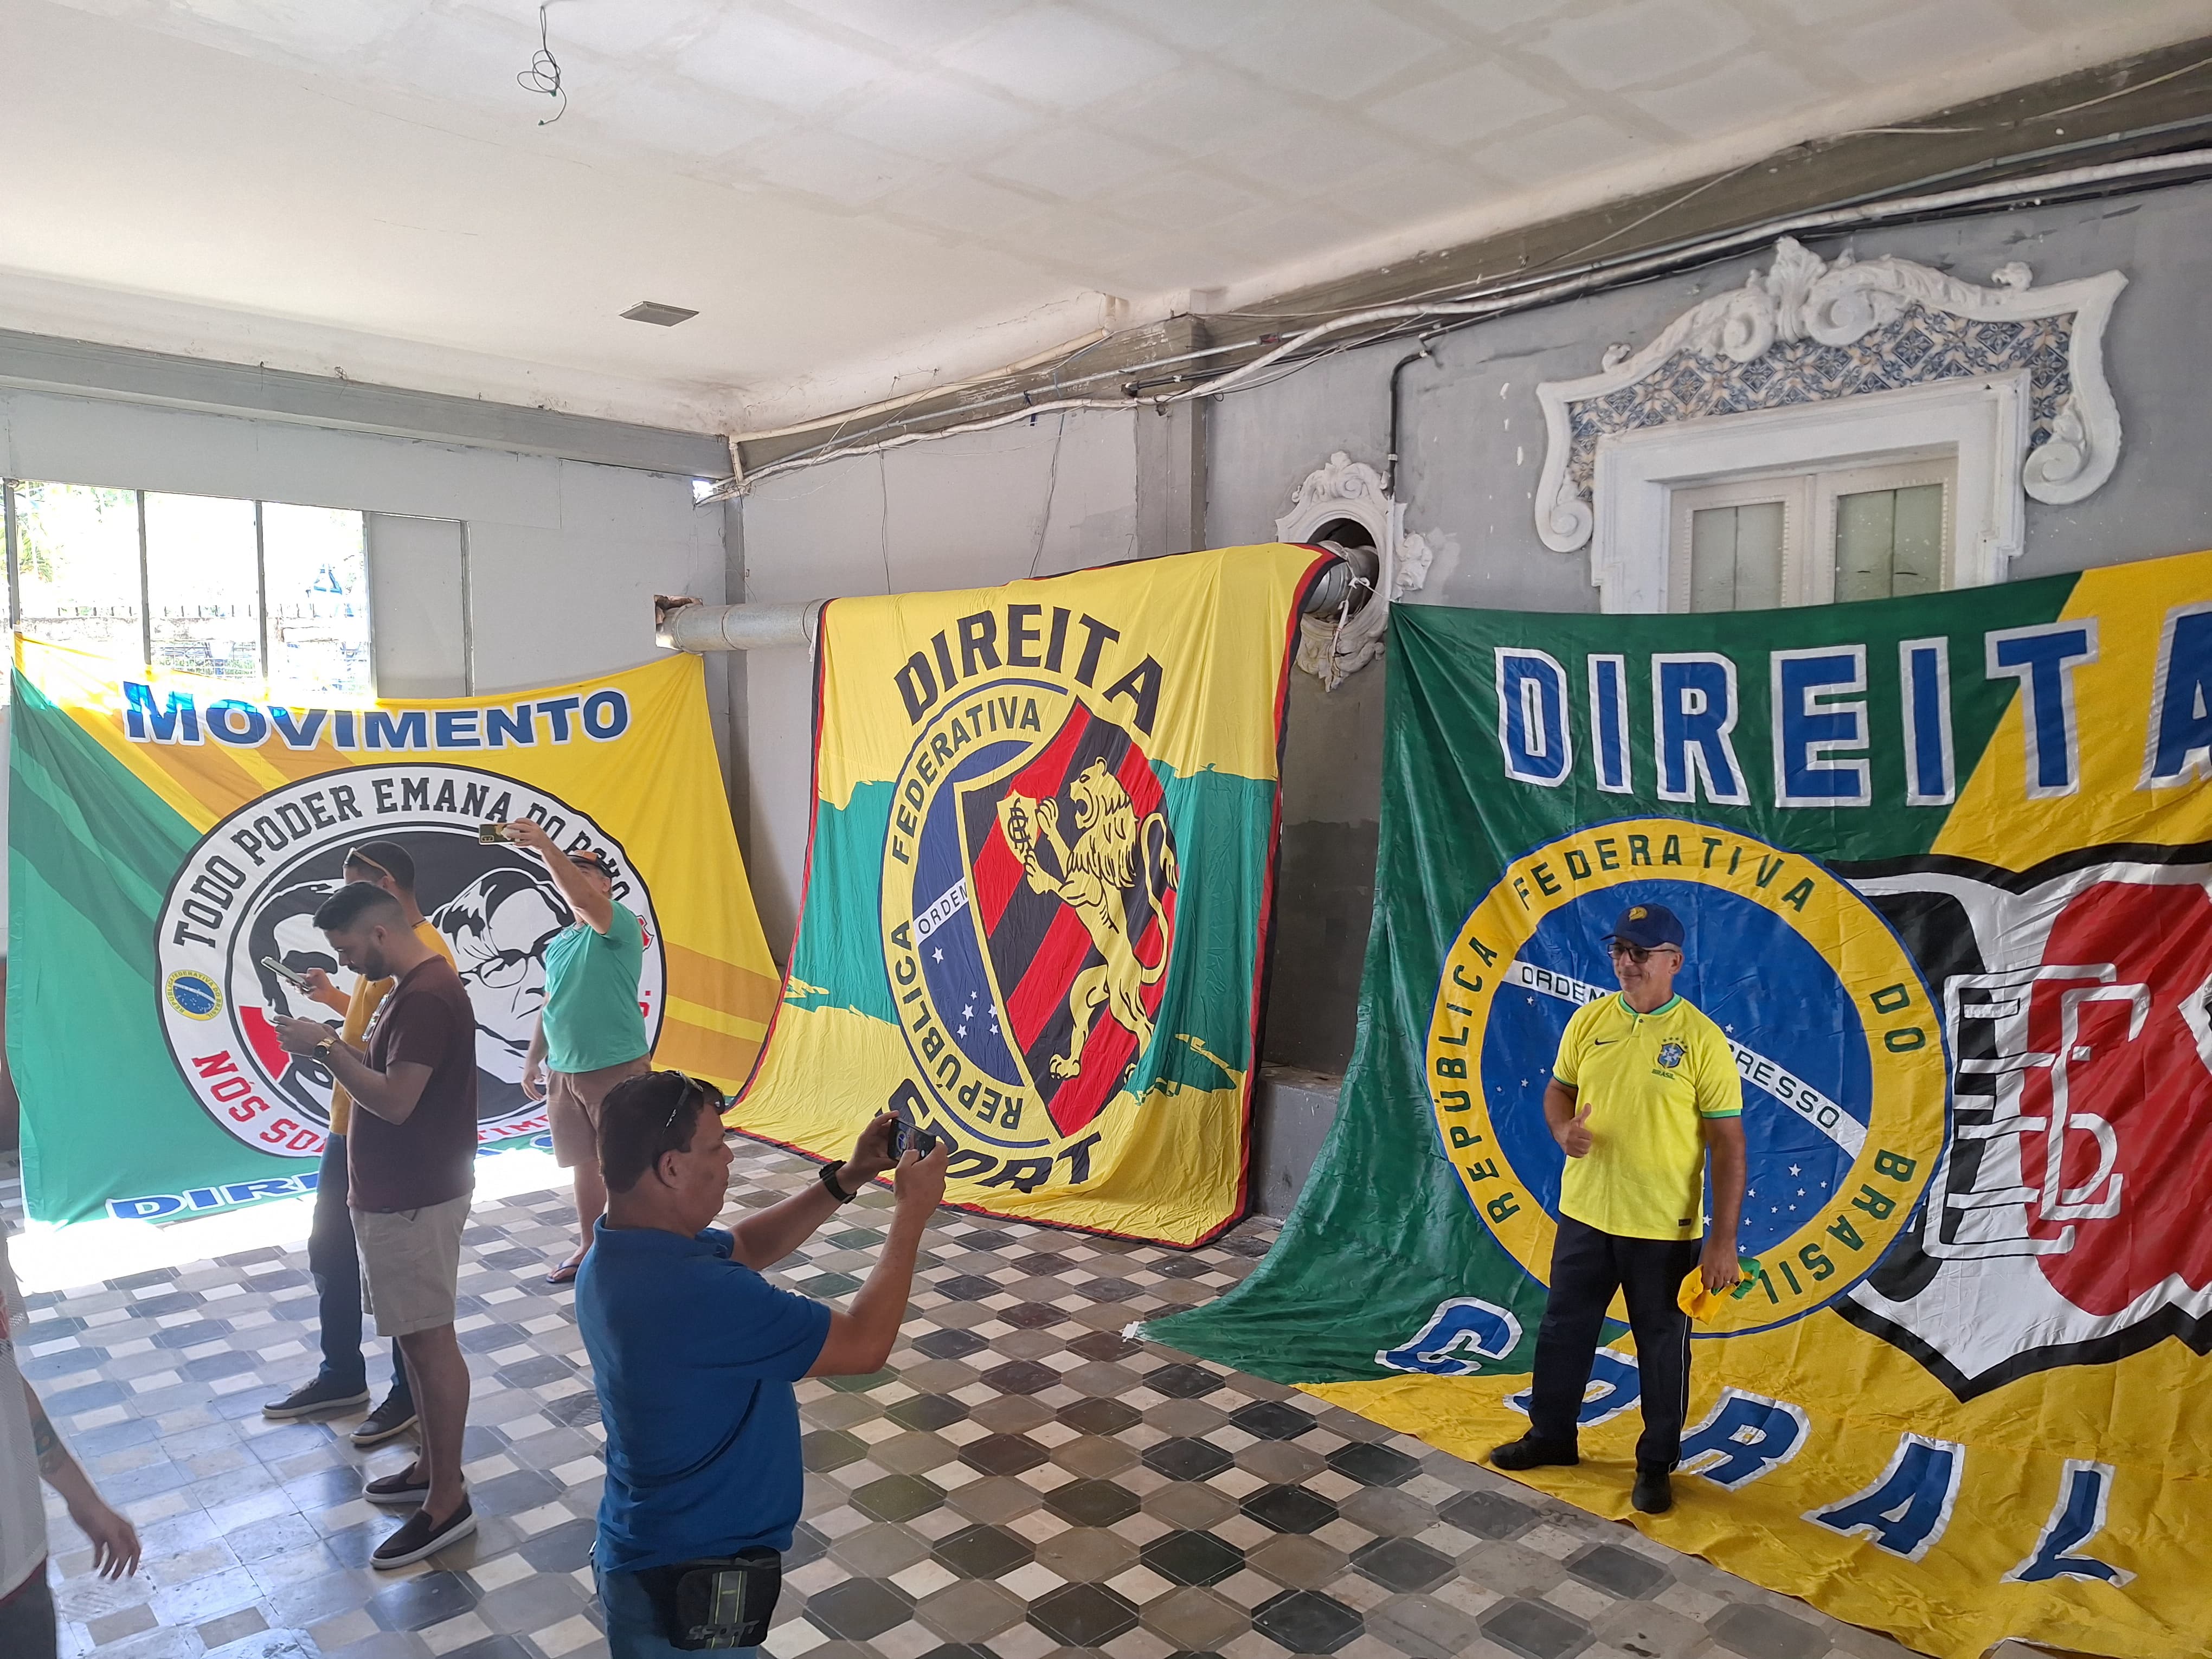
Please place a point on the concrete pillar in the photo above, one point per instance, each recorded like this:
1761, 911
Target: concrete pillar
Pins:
1171, 454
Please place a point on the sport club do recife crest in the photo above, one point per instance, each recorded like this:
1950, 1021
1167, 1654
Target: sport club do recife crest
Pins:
1839, 1045
1029, 884
247, 895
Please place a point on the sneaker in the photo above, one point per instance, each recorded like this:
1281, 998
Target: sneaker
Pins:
392, 1418
1530, 1453
417, 1538
410, 1485
315, 1399
1653, 1494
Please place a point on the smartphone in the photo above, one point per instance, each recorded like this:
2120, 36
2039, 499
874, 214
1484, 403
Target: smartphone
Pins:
904, 1134
491, 833
290, 976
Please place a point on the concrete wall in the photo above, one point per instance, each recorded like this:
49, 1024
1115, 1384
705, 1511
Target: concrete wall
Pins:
562, 558
1473, 437
1472, 445
965, 511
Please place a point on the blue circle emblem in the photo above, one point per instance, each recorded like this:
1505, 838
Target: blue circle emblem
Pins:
1835, 1037
194, 994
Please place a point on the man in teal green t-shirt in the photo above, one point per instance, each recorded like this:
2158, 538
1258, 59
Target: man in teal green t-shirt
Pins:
590, 1031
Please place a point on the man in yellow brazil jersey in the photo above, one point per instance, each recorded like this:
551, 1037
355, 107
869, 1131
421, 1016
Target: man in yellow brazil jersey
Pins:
1644, 1091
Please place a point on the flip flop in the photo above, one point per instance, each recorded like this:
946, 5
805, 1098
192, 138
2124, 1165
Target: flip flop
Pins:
563, 1275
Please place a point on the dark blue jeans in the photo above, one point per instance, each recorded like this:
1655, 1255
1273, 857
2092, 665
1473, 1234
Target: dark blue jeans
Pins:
1587, 1268
27, 1619
334, 1262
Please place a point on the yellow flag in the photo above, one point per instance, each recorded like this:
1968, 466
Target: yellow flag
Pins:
1037, 885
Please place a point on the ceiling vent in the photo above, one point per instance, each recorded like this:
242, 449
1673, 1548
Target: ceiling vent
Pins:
661, 316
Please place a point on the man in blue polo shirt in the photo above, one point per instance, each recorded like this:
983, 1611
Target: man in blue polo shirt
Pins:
694, 1353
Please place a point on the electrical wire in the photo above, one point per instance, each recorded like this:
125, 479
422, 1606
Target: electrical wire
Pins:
1929, 181
843, 416
543, 74
1051, 488
1537, 274
1027, 399
1540, 272
883, 521
1659, 212
2122, 91
1694, 254
2019, 122
1300, 349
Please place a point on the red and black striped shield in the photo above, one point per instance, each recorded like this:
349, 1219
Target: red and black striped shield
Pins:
1073, 868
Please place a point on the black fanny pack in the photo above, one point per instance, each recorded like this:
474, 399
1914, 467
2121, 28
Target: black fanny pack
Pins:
715, 1604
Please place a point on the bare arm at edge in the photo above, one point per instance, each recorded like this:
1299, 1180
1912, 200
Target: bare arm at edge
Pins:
115, 1542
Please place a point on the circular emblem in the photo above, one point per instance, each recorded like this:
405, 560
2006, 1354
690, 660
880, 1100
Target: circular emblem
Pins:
194, 994
1028, 892
1841, 1053
248, 892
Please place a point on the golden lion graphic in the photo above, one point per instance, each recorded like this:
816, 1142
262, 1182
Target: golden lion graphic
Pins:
1102, 862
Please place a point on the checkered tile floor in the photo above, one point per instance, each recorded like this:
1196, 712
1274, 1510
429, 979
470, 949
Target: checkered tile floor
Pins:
1021, 1482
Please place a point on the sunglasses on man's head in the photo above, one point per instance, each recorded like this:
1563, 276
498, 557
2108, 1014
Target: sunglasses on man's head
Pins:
699, 1089
368, 863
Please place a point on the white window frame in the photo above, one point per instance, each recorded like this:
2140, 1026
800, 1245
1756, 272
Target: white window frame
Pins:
1809, 501
1981, 422
271, 687
1830, 487
1793, 491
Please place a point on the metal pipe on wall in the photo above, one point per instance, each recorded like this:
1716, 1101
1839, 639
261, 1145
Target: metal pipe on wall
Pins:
696, 627
688, 625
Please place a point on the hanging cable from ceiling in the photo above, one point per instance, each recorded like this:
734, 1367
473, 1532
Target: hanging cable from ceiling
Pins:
543, 74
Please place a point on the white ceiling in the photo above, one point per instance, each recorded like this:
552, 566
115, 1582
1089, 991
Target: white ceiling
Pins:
862, 197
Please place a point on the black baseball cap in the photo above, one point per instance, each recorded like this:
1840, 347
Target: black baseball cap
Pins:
1647, 926
598, 860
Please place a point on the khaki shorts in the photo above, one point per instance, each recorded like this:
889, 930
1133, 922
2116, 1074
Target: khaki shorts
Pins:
410, 1261
572, 1106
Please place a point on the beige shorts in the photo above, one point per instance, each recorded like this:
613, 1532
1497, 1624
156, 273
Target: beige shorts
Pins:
571, 1107
410, 1263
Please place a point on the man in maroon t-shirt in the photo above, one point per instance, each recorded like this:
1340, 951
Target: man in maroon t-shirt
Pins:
412, 1168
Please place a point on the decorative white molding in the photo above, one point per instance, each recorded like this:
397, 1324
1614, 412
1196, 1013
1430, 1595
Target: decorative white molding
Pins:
1807, 332
1981, 420
1331, 648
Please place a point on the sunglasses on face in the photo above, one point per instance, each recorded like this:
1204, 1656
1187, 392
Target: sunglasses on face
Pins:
1637, 952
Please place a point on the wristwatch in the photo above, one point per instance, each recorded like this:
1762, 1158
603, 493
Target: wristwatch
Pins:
323, 1048
829, 1179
